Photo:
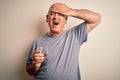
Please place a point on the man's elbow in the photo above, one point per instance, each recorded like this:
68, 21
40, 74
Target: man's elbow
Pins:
30, 70
99, 16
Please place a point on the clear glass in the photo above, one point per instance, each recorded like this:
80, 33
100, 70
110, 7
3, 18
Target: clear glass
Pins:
44, 50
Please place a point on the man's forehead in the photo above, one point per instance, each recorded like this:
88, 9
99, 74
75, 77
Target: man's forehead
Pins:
55, 5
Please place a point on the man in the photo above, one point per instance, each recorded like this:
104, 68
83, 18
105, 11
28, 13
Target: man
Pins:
61, 63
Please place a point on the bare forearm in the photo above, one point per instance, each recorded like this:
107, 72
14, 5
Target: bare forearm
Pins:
92, 18
87, 15
31, 70
84, 14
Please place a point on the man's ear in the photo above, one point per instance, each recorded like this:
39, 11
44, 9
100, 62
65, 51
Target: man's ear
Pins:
46, 18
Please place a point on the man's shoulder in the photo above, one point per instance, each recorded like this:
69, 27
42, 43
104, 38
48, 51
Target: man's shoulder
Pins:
77, 27
39, 39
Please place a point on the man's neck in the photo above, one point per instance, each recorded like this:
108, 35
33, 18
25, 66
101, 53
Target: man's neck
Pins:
54, 34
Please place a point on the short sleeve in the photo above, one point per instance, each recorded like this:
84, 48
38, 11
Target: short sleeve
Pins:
81, 32
33, 48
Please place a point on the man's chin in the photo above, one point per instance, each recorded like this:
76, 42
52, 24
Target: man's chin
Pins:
56, 32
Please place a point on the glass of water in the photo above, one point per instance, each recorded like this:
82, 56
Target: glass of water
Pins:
44, 50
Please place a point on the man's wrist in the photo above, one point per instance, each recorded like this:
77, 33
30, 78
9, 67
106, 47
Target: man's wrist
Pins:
34, 67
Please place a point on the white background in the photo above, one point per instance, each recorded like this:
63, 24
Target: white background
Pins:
23, 21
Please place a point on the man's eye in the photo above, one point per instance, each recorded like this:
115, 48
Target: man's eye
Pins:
52, 13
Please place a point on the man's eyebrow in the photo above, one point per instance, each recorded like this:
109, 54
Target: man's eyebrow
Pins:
50, 11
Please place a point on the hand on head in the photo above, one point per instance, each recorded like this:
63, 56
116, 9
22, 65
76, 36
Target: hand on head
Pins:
61, 8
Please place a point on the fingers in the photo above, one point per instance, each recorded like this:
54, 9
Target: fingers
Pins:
36, 61
38, 54
64, 10
38, 57
57, 10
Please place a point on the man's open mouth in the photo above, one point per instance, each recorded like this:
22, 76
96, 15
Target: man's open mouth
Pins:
55, 22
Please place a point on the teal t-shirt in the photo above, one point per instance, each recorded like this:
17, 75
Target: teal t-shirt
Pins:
62, 62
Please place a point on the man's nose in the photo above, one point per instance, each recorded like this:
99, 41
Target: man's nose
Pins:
56, 15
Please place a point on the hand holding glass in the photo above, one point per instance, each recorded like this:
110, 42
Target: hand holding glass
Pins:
44, 50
